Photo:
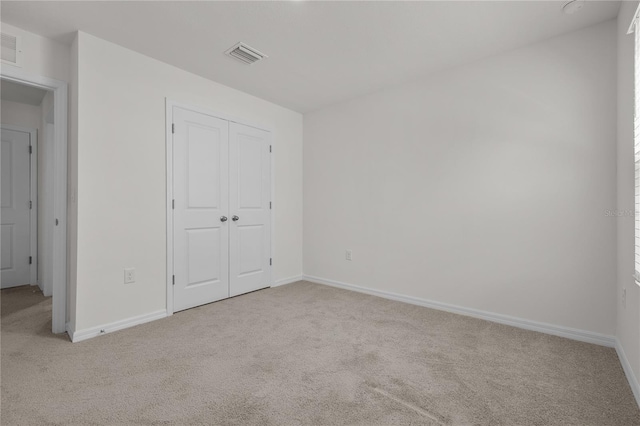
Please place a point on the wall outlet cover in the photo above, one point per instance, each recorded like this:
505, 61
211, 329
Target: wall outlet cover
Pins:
129, 275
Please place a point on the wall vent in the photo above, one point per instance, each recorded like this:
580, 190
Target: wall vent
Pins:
245, 53
10, 49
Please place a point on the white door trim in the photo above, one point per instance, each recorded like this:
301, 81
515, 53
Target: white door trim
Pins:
59, 278
169, 105
33, 197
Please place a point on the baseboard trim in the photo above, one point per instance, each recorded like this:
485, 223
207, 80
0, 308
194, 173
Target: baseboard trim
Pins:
287, 281
570, 333
628, 371
70, 332
88, 333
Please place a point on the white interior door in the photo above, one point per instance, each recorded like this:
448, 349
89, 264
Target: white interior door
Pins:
15, 235
201, 197
250, 208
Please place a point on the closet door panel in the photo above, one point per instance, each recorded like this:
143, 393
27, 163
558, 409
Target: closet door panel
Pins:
250, 209
201, 204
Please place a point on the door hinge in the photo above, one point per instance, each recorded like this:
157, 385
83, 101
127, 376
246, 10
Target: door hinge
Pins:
270, 261
30, 205
30, 149
173, 204
173, 128
174, 280
270, 148
270, 205
30, 260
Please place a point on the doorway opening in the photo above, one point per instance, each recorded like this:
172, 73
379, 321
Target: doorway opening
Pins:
33, 191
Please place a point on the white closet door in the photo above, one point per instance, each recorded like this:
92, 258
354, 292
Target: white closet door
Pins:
16, 229
201, 228
249, 198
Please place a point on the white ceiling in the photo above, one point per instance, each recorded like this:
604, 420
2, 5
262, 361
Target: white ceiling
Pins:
319, 53
14, 92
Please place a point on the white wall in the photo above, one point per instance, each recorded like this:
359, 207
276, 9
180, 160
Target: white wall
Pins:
628, 318
29, 116
19, 114
41, 56
72, 184
484, 186
121, 176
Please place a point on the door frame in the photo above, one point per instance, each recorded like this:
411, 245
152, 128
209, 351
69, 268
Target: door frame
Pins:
33, 197
59, 196
169, 105
33, 213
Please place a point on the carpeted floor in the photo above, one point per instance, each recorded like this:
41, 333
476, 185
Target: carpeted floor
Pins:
304, 354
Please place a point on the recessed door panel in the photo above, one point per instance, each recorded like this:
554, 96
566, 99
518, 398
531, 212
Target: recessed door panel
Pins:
200, 188
249, 198
7, 174
203, 147
249, 171
250, 249
204, 251
6, 235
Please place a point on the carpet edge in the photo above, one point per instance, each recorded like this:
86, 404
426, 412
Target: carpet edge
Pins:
628, 371
556, 330
88, 333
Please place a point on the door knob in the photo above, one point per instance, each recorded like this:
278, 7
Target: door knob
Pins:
223, 218
235, 218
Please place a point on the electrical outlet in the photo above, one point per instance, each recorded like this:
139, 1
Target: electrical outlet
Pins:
624, 297
129, 275
348, 255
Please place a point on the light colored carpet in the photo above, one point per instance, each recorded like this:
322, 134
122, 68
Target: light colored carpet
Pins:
305, 354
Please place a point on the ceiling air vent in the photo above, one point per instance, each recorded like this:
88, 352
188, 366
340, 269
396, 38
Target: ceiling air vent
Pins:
11, 53
246, 54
